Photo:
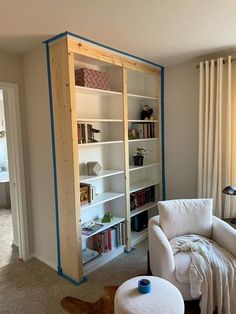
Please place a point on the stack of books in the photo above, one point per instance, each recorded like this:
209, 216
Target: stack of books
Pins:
109, 239
142, 197
142, 130
86, 133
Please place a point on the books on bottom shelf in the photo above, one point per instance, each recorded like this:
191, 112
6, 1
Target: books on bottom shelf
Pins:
109, 239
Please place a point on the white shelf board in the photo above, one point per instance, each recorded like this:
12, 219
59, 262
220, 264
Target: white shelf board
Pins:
143, 208
142, 97
133, 168
106, 225
105, 173
142, 185
137, 237
95, 91
102, 198
98, 120
144, 139
100, 143
102, 260
143, 121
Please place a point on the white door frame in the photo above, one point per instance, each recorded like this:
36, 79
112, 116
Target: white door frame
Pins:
16, 163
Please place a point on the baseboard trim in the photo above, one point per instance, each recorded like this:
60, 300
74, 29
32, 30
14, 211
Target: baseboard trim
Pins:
44, 260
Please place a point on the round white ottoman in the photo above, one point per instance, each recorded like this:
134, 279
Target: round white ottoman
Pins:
164, 298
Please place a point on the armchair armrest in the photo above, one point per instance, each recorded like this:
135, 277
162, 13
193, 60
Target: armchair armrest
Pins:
161, 257
224, 235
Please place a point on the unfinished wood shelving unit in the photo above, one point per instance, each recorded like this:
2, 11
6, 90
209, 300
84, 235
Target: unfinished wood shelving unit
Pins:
133, 85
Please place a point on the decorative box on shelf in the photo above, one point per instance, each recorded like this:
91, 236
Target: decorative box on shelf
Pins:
92, 78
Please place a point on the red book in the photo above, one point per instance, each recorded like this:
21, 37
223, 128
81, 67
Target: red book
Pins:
109, 239
97, 242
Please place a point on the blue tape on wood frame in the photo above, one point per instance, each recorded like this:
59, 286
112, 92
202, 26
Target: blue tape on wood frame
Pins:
101, 45
59, 270
74, 282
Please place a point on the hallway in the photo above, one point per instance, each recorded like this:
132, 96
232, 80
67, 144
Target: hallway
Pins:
8, 251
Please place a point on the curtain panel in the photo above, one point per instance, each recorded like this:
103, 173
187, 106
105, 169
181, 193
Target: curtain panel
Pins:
217, 129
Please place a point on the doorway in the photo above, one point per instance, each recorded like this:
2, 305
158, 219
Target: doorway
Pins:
8, 239
13, 214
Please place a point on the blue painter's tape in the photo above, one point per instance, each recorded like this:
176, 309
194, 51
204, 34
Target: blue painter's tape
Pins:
144, 285
74, 282
59, 270
101, 45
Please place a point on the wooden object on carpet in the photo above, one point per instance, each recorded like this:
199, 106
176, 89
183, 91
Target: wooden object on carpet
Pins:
105, 305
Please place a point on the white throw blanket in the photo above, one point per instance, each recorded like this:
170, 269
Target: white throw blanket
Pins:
212, 273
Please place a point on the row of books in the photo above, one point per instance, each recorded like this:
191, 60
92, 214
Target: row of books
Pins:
86, 133
109, 239
142, 130
142, 197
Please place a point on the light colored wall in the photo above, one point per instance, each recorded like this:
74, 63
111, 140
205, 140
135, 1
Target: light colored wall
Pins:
10, 72
181, 130
36, 103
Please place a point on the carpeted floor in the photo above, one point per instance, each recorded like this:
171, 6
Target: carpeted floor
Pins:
33, 287
8, 251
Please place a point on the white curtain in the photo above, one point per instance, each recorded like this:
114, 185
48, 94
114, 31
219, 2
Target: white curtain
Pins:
217, 120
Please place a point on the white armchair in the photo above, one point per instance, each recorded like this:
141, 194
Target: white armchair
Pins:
182, 217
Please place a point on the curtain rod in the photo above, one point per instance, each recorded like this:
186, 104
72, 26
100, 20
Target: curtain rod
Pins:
224, 61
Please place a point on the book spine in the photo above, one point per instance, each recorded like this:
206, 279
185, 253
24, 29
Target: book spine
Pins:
109, 240
113, 238
120, 234
117, 230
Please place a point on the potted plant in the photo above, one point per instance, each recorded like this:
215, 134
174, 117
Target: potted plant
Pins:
138, 156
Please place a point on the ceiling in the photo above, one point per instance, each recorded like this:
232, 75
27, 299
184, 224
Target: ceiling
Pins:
163, 31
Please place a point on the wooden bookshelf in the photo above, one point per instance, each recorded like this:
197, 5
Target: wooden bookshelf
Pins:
133, 85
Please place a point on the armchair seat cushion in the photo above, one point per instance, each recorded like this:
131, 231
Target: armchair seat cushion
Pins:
182, 265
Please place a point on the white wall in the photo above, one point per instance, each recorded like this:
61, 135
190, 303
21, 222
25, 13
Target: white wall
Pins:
10, 72
36, 103
181, 130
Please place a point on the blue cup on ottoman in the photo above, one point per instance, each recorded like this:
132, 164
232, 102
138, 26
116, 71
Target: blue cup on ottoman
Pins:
144, 286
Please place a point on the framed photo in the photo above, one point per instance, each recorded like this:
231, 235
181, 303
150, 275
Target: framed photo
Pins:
84, 195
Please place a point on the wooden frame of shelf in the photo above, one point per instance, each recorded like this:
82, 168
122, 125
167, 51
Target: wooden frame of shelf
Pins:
62, 54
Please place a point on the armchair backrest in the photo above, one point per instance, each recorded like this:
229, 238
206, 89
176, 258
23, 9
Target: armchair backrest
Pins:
186, 216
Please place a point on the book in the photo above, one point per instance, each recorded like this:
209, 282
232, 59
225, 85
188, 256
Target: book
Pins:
113, 238
88, 255
97, 242
90, 230
117, 233
109, 239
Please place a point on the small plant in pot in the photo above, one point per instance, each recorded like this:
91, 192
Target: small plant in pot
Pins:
138, 156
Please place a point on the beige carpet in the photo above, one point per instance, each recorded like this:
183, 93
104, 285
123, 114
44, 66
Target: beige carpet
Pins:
33, 287
8, 251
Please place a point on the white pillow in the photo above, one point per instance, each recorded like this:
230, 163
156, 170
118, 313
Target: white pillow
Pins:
186, 216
